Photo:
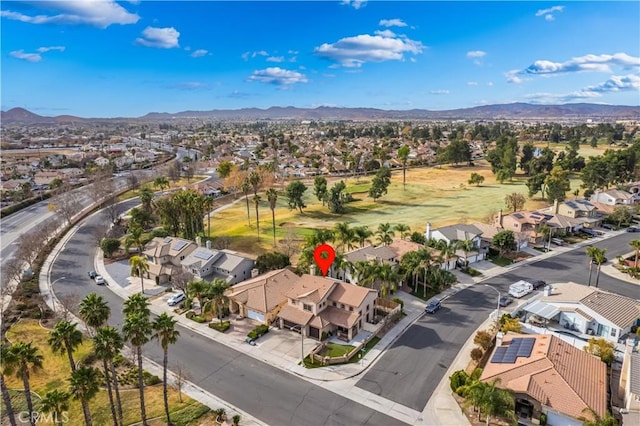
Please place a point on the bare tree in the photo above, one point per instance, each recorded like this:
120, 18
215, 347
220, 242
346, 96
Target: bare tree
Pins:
181, 378
68, 301
290, 243
175, 170
99, 232
181, 280
29, 245
221, 243
132, 180
66, 205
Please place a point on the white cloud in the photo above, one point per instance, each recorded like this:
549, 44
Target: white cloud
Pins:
615, 83
490, 83
512, 76
476, 54
472, 83
392, 23
548, 13
189, 85
29, 57
100, 14
165, 38
385, 33
278, 76
49, 48
356, 4
199, 53
247, 55
439, 92
357, 50
275, 59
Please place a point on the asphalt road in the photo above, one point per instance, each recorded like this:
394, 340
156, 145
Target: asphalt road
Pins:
412, 368
263, 391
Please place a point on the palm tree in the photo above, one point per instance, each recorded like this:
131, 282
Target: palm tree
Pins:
139, 266
256, 200
636, 246
197, 289
134, 238
387, 277
425, 259
599, 258
137, 328
272, 196
448, 251
385, 234
107, 344
6, 397
216, 294
56, 402
403, 155
94, 311
345, 235
85, 383
363, 271
403, 229
136, 303
21, 358
246, 187
65, 337
466, 246
362, 234
161, 182
146, 196
165, 332
590, 253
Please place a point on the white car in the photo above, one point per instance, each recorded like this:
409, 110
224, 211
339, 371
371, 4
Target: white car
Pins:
100, 280
176, 298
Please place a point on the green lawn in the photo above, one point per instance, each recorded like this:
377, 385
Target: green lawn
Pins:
501, 261
334, 350
339, 350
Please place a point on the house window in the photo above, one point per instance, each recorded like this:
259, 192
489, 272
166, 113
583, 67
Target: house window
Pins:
307, 307
351, 308
613, 332
181, 257
342, 305
367, 308
335, 304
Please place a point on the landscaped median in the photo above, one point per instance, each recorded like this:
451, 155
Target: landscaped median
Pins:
335, 354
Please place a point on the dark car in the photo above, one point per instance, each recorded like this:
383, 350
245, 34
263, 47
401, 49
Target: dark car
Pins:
505, 301
632, 229
433, 306
538, 284
608, 226
92, 274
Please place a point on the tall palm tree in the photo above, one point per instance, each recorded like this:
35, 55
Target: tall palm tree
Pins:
256, 200
272, 196
385, 234
448, 251
136, 303
403, 229
362, 234
165, 332
466, 246
146, 196
85, 384
246, 187
425, 260
636, 246
134, 238
197, 289
216, 294
21, 358
94, 311
591, 254
137, 328
65, 338
345, 235
403, 156
388, 278
6, 397
56, 402
362, 271
139, 267
107, 344
599, 258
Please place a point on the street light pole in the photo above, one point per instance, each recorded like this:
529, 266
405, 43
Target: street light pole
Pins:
498, 307
53, 300
301, 343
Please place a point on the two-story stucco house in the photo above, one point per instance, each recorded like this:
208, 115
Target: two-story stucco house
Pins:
208, 264
320, 306
165, 256
461, 232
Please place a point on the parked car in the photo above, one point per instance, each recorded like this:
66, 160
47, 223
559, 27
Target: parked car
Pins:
176, 298
608, 226
632, 229
538, 284
505, 301
433, 306
92, 274
100, 280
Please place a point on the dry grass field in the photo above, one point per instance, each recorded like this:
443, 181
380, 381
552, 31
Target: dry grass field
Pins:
438, 195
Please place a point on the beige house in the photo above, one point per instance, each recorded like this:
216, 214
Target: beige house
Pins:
524, 222
261, 298
548, 375
572, 215
321, 306
165, 256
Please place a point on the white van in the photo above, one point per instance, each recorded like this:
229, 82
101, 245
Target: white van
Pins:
520, 289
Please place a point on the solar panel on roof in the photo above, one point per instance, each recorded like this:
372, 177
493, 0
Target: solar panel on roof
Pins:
167, 239
571, 204
518, 215
204, 255
509, 358
499, 354
179, 245
526, 346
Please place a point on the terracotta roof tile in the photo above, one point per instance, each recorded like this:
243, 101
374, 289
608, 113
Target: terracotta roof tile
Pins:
264, 292
620, 310
295, 315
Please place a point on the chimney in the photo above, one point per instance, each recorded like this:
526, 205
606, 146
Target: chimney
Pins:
499, 337
254, 272
555, 206
427, 234
500, 218
199, 241
312, 269
208, 243
547, 290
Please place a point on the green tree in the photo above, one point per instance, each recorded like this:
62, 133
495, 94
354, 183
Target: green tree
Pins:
134, 238
216, 294
136, 303
224, 169
385, 234
166, 333
272, 197
94, 311
403, 230
475, 179
161, 182
403, 156
635, 244
601, 348
515, 201
56, 402
20, 359
345, 235
197, 289
458, 151
557, 183
139, 267
109, 246
337, 197
107, 344
295, 193
6, 396
536, 183
597, 420
505, 241
272, 261
620, 215
137, 328
85, 384
146, 196
65, 338
380, 183
362, 234
597, 256
320, 188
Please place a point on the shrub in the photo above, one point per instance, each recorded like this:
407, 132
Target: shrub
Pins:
198, 319
272, 261
220, 326
543, 419
476, 354
150, 379
457, 379
400, 302
190, 314
258, 331
236, 420
109, 246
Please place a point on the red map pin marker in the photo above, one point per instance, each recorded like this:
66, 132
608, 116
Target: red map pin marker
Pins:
324, 255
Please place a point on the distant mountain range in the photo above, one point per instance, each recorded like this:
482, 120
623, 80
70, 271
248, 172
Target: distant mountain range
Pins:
514, 111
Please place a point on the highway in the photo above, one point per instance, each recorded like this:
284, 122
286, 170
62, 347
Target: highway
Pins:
265, 392
412, 368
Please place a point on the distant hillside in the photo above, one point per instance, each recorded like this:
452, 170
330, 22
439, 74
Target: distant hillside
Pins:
514, 111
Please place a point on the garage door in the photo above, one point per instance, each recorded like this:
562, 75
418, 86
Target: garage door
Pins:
255, 315
314, 332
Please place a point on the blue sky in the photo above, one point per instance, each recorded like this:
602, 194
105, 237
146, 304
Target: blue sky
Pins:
126, 58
